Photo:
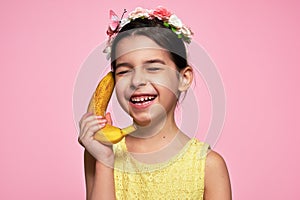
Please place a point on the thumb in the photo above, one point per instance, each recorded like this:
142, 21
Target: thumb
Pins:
108, 118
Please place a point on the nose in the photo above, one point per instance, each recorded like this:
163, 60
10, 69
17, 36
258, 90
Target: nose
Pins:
138, 78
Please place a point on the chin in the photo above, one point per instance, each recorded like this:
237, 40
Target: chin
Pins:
142, 121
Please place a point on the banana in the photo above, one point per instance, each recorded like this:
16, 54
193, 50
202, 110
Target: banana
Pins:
98, 104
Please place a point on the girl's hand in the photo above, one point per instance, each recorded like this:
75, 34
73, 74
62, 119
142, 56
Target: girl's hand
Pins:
89, 125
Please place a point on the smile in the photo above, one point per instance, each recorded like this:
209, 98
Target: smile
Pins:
142, 100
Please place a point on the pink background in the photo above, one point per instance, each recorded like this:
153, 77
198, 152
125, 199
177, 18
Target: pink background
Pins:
255, 45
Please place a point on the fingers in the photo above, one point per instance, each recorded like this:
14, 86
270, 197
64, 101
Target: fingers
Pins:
89, 125
88, 133
91, 119
83, 118
101, 120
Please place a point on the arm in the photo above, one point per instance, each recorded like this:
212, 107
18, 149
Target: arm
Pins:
99, 177
217, 183
103, 185
89, 171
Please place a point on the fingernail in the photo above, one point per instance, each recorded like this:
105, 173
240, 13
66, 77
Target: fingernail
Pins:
102, 121
102, 125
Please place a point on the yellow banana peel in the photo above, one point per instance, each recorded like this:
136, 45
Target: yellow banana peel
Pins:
98, 105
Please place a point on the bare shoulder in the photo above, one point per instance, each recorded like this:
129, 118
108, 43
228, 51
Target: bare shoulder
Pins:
217, 182
215, 161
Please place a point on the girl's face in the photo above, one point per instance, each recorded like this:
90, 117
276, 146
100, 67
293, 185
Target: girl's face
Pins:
147, 80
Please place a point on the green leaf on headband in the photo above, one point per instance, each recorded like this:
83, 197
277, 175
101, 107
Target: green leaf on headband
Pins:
173, 29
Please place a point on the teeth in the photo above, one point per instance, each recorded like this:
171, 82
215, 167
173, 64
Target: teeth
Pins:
141, 99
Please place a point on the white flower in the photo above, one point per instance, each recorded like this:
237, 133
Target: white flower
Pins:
175, 21
185, 31
107, 50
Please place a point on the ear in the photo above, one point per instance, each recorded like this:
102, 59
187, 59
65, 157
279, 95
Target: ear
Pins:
186, 79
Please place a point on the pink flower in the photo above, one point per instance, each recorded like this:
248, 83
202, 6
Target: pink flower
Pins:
161, 13
138, 13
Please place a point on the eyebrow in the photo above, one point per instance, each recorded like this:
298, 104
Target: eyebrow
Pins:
122, 64
155, 61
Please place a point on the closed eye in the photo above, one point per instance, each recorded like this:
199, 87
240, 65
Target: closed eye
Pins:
122, 72
123, 68
153, 69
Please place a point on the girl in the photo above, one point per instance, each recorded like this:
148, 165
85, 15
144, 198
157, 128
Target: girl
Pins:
157, 161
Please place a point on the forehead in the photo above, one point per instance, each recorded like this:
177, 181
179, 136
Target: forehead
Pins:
136, 43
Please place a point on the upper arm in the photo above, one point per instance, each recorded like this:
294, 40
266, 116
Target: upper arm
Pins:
217, 182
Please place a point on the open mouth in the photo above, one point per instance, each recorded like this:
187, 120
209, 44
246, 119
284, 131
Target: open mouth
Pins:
141, 100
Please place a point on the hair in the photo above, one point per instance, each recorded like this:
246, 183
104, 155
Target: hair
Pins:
155, 30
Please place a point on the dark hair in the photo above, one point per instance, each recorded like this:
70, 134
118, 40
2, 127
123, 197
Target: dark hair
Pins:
156, 31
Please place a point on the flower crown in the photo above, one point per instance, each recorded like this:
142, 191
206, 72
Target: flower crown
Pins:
169, 20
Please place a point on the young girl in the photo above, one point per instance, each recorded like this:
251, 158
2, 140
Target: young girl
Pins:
158, 160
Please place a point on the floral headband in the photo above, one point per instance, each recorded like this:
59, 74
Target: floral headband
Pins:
169, 20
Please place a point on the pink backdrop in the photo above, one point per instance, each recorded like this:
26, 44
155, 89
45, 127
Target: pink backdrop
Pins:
255, 45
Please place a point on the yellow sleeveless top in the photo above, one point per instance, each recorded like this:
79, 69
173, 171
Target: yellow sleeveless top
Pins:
181, 177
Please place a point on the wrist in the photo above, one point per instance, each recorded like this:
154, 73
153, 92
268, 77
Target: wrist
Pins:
105, 164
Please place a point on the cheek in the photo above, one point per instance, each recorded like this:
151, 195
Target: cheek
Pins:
121, 84
168, 82
168, 93
122, 93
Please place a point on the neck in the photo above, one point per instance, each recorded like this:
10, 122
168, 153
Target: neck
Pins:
156, 135
158, 148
